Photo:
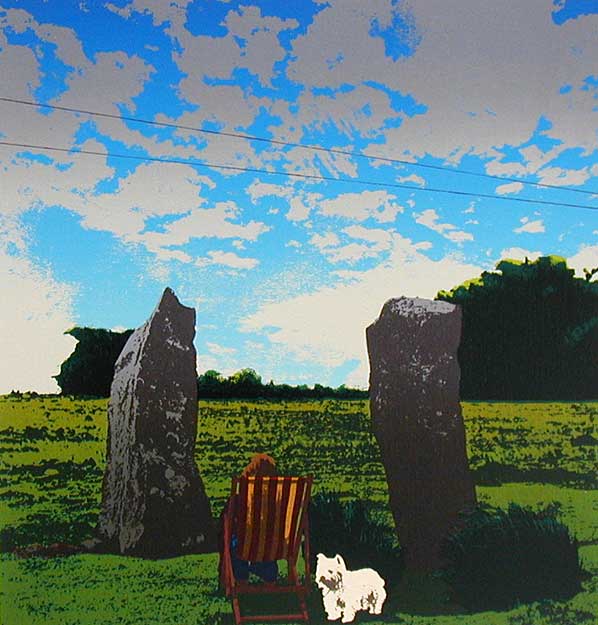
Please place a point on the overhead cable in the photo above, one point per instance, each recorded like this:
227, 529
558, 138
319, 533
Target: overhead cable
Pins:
255, 170
279, 142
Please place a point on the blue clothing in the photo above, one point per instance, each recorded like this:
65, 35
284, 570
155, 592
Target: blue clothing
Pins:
268, 571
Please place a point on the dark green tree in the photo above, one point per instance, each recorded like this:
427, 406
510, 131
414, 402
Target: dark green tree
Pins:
211, 385
245, 383
90, 368
530, 331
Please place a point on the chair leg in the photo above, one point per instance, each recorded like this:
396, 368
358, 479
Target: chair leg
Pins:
236, 609
293, 575
223, 580
303, 606
229, 583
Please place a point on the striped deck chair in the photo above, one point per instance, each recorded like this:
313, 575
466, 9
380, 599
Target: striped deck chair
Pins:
268, 516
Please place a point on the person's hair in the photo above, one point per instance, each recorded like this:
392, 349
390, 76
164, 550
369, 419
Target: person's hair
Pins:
261, 465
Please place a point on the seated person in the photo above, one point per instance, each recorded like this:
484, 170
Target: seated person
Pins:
260, 465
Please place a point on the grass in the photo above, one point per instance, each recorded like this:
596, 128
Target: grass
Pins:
52, 459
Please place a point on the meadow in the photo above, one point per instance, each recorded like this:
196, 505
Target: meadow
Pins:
52, 460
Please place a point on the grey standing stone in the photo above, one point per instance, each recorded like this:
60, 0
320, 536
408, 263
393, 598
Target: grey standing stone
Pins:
153, 502
417, 420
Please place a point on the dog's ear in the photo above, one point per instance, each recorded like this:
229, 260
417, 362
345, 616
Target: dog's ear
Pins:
339, 560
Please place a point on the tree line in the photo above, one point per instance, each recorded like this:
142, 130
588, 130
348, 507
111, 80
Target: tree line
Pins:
248, 384
89, 370
530, 332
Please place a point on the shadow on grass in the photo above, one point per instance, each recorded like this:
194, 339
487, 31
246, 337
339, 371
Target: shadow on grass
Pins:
46, 529
496, 473
413, 595
420, 595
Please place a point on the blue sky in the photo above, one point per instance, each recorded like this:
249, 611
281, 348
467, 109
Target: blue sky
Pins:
285, 273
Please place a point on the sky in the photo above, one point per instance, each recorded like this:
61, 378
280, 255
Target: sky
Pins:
285, 264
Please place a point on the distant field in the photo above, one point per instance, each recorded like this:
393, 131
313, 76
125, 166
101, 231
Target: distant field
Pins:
52, 459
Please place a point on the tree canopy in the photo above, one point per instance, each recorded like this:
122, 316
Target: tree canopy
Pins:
90, 368
246, 383
530, 331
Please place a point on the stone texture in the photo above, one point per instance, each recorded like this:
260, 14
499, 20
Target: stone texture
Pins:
416, 417
153, 500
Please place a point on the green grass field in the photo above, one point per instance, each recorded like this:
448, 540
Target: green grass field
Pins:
52, 451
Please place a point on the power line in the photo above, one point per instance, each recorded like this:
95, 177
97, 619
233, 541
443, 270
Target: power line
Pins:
306, 146
255, 170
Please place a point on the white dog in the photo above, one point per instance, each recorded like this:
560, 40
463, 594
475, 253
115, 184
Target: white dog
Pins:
345, 592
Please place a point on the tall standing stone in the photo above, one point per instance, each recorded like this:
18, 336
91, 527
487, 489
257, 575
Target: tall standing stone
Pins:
153, 501
416, 417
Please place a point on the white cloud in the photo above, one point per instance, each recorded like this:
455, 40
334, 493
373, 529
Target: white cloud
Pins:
511, 187
150, 191
30, 184
258, 189
299, 210
68, 46
252, 43
531, 227
227, 259
378, 241
166, 254
112, 78
346, 111
586, 258
430, 217
458, 236
217, 222
382, 239
254, 345
328, 326
159, 271
159, 11
329, 244
224, 363
519, 253
19, 69
101, 84
565, 177
322, 241
36, 313
413, 178
104, 83
259, 52
482, 91
360, 206
351, 253
216, 348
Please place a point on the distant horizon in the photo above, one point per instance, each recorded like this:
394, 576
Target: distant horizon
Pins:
441, 139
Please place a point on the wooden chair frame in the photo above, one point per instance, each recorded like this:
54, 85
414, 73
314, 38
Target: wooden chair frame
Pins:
234, 588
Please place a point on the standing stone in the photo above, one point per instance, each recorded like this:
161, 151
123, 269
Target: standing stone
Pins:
153, 501
416, 417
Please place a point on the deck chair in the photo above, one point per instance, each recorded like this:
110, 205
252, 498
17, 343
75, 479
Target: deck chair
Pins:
268, 516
